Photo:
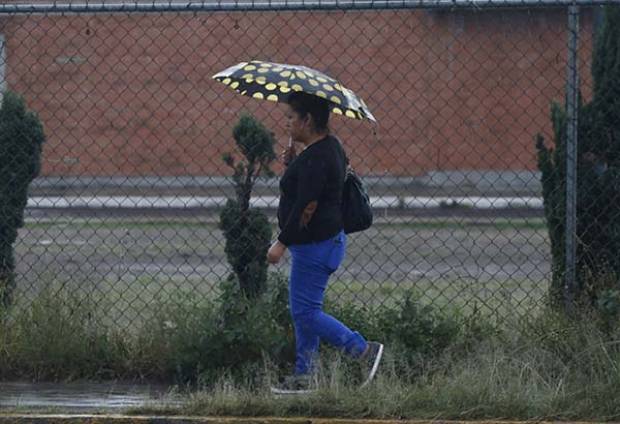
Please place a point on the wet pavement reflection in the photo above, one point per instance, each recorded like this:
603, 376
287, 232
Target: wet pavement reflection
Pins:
85, 397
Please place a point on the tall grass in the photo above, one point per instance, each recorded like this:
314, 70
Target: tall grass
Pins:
59, 337
533, 373
436, 366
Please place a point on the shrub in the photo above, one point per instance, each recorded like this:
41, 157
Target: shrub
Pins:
247, 231
21, 140
598, 177
229, 336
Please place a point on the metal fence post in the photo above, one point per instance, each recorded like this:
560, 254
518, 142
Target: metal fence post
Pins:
2, 67
572, 94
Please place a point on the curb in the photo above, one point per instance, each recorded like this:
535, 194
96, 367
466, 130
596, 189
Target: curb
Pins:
128, 419
271, 202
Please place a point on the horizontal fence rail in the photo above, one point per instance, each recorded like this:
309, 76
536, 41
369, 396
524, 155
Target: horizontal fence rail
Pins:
275, 5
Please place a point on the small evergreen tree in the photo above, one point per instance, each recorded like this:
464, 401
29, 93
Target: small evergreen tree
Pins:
21, 140
247, 231
598, 176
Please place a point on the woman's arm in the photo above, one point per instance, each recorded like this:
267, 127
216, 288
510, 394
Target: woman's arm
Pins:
310, 185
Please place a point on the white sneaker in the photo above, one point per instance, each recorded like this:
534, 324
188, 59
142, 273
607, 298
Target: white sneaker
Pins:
370, 360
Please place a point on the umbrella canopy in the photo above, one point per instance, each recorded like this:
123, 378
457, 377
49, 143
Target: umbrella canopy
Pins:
274, 81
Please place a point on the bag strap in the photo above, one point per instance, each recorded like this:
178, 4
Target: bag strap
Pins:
347, 163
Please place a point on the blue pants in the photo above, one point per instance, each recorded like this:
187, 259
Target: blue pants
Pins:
311, 267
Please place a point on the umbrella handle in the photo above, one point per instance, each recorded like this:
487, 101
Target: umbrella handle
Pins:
289, 153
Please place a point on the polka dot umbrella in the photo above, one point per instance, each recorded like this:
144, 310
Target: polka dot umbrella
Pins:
274, 81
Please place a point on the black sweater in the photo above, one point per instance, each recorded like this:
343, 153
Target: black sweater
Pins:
316, 174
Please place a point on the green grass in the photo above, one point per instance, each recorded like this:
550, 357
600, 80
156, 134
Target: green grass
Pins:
127, 304
540, 367
129, 301
529, 373
500, 298
461, 223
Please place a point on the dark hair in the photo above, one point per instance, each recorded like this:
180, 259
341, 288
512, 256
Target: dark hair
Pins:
304, 104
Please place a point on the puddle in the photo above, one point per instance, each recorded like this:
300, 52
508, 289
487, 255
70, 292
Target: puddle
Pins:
85, 396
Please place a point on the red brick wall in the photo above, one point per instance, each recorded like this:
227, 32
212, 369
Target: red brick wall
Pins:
133, 95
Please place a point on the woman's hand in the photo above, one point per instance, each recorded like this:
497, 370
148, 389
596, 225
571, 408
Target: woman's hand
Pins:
306, 215
288, 154
275, 252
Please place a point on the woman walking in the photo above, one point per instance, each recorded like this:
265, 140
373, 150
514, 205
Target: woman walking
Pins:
311, 228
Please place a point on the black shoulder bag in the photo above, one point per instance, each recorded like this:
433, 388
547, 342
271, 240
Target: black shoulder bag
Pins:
356, 210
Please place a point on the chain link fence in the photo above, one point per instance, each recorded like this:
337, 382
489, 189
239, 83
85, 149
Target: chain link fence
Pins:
125, 210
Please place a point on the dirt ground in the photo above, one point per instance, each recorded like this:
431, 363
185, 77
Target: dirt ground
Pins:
497, 265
